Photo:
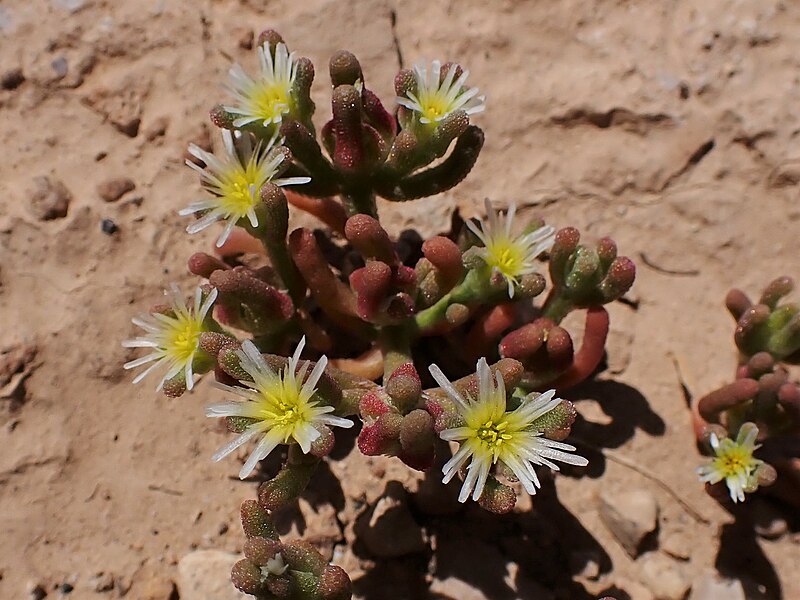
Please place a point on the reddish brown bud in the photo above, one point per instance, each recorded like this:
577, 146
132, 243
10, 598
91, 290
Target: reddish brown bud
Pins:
737, 303
270, 37
345, 69
417, 439
445, 256
203, 265
370, 239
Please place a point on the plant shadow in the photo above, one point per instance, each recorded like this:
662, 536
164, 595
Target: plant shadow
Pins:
533, 553
627, 409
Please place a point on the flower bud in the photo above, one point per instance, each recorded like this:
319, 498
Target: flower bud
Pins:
203, 265
370, 239
404, 387
270, 37
345, 69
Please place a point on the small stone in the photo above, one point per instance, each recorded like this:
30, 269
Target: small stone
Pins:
112, 190
50, 198
785, 175
630, 516
36, 591
158, 588
770, 523
663, 576
108, 227
156, 129
60, 66
389, 530
677, 544
66, 588
12, 79
102, 582
244, 37
709, 586
206, 575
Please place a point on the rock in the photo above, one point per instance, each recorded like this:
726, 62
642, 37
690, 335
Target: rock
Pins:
60, 66
770, 523
157, 588
785, 175
206, 575
245, 37
49, 199
630, 516
710, 586
156, 129
633, 589
121, 105
12, 79
36, 591
663, 576
102, 582
112, 190
108, 227
388, 530
677, 544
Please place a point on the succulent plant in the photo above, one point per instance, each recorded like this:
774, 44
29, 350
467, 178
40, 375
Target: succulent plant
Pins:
416, 340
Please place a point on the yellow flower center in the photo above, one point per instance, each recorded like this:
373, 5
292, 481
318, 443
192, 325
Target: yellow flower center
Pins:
183, 338
270, 101
239, 190
434, 106
505, 256
734, 461
492, 435
284, 408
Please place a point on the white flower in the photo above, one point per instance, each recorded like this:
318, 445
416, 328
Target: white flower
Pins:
274, 566
434, 100
491, 433
173, 338
234, 183
511, 256
278, 402
734, 462
268, 96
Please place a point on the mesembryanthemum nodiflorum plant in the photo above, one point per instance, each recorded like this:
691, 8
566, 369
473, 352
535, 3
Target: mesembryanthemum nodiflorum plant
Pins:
381, 333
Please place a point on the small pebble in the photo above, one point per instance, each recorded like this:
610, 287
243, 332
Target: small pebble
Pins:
60, 66
108, 227
12, 79
49, 199
112, 190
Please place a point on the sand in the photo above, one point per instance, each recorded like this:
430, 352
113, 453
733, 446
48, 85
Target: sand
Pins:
669, 125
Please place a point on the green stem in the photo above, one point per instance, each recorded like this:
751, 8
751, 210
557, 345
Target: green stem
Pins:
360, 201
395, 343
285, 268
466, 292
557, 306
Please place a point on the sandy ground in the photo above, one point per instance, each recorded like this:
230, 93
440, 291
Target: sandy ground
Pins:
671, 127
